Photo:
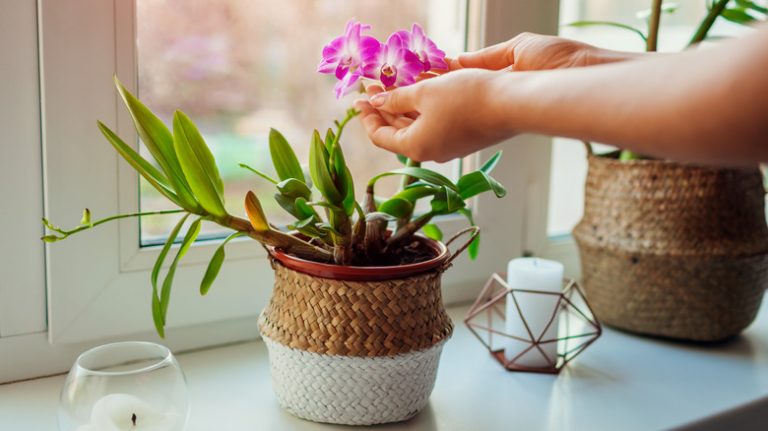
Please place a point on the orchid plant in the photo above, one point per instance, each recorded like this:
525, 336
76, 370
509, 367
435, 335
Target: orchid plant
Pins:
331, 225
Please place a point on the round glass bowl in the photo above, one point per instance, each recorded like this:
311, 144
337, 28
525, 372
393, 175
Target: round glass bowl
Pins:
131, 385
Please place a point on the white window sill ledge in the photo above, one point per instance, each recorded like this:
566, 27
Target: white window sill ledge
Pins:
621, 382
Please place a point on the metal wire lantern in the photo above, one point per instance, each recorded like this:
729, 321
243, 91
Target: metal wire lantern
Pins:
576, 325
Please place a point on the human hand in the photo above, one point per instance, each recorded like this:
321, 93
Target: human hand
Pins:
436, 119
530, 51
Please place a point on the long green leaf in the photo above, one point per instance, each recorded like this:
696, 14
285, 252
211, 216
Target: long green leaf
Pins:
752, 5
609, 24
189, 239
447, 201
294, 188
423, 174
201, 151
737, 15
491, 163
157, 314
283, 158
214, 266
197, 164
159, 141
397, 207
474, 246
142, 166
318, 168
414, 193
259, 173
478, 182
433, 232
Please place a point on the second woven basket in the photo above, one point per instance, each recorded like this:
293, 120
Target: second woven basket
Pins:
673, 250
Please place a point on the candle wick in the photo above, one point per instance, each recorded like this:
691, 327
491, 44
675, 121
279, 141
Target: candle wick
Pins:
133, 419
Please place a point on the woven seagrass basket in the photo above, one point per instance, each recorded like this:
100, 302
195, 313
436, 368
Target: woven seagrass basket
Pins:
360, 348
673, 250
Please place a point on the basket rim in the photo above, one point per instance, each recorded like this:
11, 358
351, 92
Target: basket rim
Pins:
364, 273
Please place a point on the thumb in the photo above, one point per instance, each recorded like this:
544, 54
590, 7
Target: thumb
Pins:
494, 57
397, 101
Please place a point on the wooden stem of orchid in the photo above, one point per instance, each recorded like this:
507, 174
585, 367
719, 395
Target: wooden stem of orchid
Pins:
706, 24
277, 239
653, 27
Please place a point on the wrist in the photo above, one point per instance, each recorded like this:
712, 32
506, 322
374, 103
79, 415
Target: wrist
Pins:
596, 56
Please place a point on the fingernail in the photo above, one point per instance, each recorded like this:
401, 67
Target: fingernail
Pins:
378, 99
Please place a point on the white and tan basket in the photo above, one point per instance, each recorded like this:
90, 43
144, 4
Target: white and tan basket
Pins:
354, 352
356, 345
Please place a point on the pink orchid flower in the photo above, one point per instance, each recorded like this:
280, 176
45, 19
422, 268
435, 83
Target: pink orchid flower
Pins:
393, 64
429, 54
343, 56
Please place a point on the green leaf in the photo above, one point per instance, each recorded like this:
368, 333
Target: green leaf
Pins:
414, 193
157, 314
433, 232
402, 159
303, 209
189, 239
318, 168
283, 158
294, 188
668, 8
477, 182
737, 15
447, 201
86, 219
153, 176
215, 264
491, 163
259, 173
423, 174
474, 246
752, 5
330, 137
198, 165
397, 207
159, 141
609, 24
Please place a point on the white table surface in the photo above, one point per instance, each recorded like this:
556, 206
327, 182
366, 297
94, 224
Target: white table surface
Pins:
622, 382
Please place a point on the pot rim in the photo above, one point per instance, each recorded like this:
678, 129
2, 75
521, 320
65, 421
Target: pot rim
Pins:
364, 273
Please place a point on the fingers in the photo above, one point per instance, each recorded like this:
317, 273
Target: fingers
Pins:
381, 133
398, 101
399, 121
494, 57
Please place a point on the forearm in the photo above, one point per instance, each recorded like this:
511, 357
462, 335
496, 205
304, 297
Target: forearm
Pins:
703, 106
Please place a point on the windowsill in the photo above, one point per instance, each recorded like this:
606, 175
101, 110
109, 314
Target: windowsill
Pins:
621, 382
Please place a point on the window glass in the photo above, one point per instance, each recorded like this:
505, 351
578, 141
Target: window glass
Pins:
239, 67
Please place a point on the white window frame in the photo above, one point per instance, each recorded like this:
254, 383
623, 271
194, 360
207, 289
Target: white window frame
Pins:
98, 282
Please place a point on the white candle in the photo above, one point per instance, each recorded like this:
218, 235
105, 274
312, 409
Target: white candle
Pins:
532, 273
123, 412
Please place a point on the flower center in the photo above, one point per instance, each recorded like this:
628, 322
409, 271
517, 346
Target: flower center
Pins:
388, 70
346, 61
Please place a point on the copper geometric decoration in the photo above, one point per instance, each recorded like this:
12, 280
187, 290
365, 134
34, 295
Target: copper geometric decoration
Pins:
542, 343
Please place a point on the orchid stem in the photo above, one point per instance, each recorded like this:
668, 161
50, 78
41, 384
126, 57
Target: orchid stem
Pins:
66, 233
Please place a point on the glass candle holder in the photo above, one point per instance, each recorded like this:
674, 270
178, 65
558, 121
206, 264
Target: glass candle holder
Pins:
130, 385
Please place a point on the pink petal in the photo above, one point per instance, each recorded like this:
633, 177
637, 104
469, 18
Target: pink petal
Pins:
326, 66
341, 71
346, 85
